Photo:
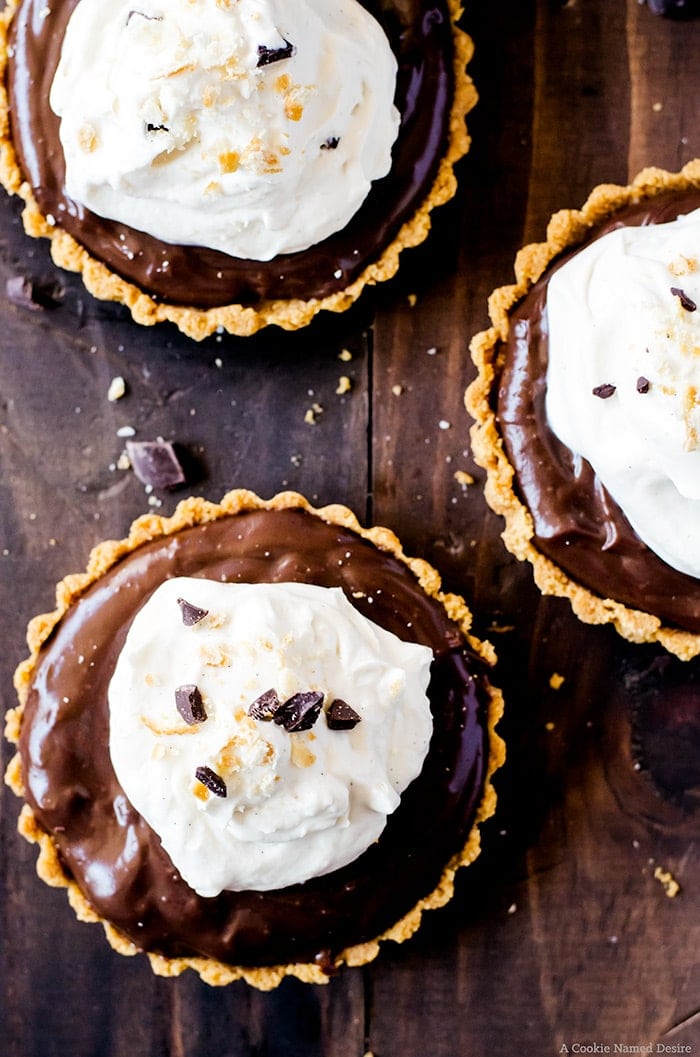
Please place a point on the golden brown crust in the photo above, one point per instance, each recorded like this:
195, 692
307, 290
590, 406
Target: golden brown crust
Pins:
191, 512
566, 228
241, 320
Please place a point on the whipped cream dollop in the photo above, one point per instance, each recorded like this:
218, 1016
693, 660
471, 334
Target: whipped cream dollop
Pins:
623, 382
248, 785
254, 127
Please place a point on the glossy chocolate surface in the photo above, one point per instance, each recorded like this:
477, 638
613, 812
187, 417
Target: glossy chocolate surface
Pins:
118, 860
421, 37
577, 523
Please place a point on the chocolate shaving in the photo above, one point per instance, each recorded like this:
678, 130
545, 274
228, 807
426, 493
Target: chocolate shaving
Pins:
266, 55
331, 143
300, 711
188, 701
156, 128
191, 614
340, 716
155, 463
643, 384
142, 14
265, 706
213, 781
685, 301
604, 391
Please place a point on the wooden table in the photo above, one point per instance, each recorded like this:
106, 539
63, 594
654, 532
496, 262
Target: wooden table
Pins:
564, 936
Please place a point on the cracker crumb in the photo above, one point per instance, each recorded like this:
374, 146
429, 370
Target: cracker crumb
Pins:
312, 413
412, 299
683, 266
556, 680
124, 462
345, 355
300, 754
214, 655
344, 385
229, 161
87, 138
463, 478
666, 878
117, 389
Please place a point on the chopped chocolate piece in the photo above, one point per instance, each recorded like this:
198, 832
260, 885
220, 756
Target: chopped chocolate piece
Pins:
25, 293
156, 128
340, 716
326, 963
331, 143
300, 711
685, 301
604, 391
269, 55
213, 781
265, 706
155, 463
189, 704
191, 614
675, 8
20, 291
643, 384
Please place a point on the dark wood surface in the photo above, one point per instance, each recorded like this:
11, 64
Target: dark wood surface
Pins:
560, 935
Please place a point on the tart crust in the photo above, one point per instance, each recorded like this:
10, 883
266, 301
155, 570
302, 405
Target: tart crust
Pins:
196, 511
241, 320
566, 229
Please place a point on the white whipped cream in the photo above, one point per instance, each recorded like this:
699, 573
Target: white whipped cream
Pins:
299, 804
169, 125
613, 320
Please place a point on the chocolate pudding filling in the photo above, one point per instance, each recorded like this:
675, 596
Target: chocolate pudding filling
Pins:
577, 524
117, 859
420, 35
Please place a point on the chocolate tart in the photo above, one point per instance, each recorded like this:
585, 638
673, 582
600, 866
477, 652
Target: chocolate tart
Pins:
204, 290
558, 515
109, 859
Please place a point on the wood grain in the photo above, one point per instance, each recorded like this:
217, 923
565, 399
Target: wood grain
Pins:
562, 933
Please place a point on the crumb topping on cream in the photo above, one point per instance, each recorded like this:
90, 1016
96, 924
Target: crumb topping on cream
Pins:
265, 731
255, 128
623, 381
